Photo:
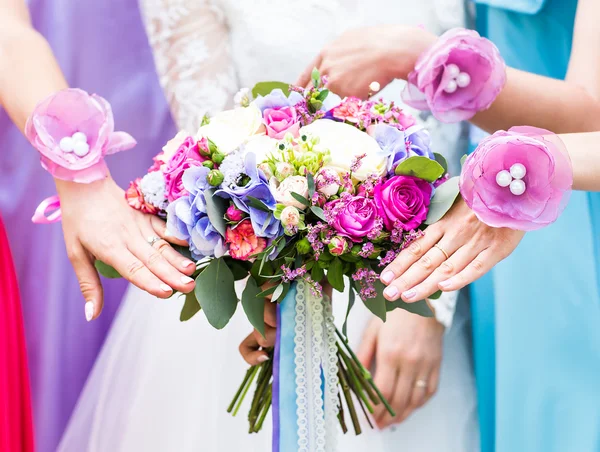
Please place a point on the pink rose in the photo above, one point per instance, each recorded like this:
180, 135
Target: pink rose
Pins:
403, 201
350, 110
280, 121
352, 216
74, 131
461, 74
234, 214
338, 246
186, 156
283, 191
243, 242
520, 179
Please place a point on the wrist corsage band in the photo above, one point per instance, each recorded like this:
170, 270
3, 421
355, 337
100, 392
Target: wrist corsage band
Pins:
73, 131
461, 74
519, 179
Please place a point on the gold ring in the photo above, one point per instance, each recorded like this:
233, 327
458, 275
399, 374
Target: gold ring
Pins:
442, 250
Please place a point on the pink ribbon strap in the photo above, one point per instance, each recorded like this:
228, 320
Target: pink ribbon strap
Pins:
52, 205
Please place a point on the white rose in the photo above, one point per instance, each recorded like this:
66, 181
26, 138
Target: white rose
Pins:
261, 145
345, 143
290, 216
283, 191
328, 182
231, 128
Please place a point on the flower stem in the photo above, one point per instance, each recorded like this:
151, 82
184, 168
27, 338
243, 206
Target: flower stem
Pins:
264, 377
348, 397
241, 388
355, 383
341, 415
246, 389
265, 408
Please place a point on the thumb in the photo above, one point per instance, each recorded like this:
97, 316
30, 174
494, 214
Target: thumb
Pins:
367, 347
89, 282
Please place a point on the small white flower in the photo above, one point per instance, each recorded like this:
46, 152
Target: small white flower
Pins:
290, 217
243, 97
152, 186
232, 167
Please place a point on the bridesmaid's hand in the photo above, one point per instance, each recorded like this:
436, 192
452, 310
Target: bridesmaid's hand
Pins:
364, 55
407, 349
99, 224
454, 252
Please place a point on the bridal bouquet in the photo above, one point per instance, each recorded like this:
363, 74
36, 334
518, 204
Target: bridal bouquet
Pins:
292, 189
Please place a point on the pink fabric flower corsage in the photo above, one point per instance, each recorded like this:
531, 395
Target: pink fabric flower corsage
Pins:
520, 179
461, 74
74, 131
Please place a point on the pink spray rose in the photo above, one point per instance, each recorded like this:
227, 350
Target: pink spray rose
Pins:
352, 216
243, 242
461, 74
519, 179
338, 246
186, 156
404, 201
280, 121
234, 214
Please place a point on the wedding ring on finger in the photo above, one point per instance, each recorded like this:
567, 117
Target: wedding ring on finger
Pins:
153, 239
422, 384
437, 245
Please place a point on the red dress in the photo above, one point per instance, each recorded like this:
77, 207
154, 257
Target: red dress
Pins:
16, 425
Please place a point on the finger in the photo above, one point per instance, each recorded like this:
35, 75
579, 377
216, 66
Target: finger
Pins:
271, 314
160, 227
457, 262
305, 77
385, 379
478, 267
419, 271
151, 257
181, 263
250, 351
434, 381
368, 345
89, 282
410, 255
402, 394
269, 339
419, 392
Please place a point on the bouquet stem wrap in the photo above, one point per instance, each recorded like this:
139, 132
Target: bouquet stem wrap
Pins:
305, 394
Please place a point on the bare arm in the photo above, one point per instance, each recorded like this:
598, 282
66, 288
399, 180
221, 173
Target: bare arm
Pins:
584, 150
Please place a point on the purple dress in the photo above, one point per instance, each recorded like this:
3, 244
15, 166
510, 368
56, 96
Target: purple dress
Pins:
101, 47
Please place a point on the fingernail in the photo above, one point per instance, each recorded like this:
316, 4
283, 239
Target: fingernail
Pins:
89, 310
166, 288
409, 294
387, 277
186, 279
262, 358
187, 263
391, 292
445, 284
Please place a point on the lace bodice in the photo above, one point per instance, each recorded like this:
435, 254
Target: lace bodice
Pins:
206, 50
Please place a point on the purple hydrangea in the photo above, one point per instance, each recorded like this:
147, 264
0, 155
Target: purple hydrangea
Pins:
276, 99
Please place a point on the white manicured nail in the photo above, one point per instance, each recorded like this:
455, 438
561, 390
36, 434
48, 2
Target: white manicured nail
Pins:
186, 279
89, 310
187, 263
262, 358
166, 288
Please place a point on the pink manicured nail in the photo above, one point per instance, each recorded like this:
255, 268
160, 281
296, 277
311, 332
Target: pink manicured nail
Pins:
187, 263
445, 284
186, 279
262, 358
387, 277
89, 310
409, 294
391, 292
166, 288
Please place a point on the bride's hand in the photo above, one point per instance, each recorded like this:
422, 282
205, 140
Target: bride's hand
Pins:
454, 252
99, 224
407, 349
364, 55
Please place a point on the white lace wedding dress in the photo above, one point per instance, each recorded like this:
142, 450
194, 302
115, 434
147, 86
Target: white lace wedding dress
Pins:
160, 385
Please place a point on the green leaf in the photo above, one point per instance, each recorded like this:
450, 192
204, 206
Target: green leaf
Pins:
254, 307
190, 307
318, 212
259, 276
463, 159
215, 292
257, 204
317, 273
240, 269
323, 95
215, 209
435, 296
278, 292
267, 292
265, 88
351, 300
335, 274
442, 161
421, 167
301, 199
315, 77
378, 304
442, 200
311, 184
106, 270
420, 307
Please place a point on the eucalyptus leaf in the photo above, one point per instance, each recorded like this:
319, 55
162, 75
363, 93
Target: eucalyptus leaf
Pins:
254, 307
378, 304
442, 200
421, 167
311, 184
335, 274
442, 161
278, 292
420, 307
463, 159
257, 204
190, 307
240, 269
215, 292
318, 212
301, 199
351, 300
106, 270
215, 209
435, 296
265, 88
317, 273
270, 291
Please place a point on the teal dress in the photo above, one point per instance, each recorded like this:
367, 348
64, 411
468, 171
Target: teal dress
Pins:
536, 317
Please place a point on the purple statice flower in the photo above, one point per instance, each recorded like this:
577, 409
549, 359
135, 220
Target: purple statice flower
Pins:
389, 257
316, 289
419, 142
411, 236
276, 99
366, 279
290, 275
356, 163
377, 229
367, 249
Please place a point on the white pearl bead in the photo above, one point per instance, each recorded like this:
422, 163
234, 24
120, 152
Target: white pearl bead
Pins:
503, 178
518, 171
453, 70
463, 80
81, 148
451, 87
79, 136
374, 87
66, 144
517, 187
